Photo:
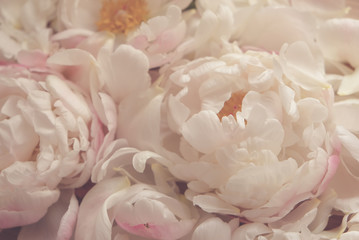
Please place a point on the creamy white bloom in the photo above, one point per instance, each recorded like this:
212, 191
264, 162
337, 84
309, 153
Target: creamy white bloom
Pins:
265, 25
49, 139
251, 134
24, 26
138, 209
154, 26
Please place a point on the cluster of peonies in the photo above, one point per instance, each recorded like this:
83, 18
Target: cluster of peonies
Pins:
179, 119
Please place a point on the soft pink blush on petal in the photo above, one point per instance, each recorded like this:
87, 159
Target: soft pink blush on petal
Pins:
333, 164
153, 231
25, 208
34, 58
71, 38
147, 230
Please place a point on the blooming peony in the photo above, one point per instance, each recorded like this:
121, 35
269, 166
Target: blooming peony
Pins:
49, 137
155, 27
251, 134
179, 119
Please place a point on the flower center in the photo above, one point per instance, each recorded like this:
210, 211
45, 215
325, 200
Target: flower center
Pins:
232, 105
121, 16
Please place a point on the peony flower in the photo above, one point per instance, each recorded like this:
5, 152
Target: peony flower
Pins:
136, 209
24, 26
251, 134
265, 25
155, 27
50, 138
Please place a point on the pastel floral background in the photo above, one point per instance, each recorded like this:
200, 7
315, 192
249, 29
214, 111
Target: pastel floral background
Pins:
179, 119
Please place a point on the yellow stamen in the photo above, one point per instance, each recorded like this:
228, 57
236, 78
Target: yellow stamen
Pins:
122, 16
232, 105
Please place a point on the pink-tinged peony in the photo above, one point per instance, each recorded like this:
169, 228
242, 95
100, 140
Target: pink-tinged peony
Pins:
50, 138
137, 210
251, 134
156, 27
24, 26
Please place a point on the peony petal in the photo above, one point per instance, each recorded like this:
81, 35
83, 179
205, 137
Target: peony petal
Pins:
350, 109
250, 231
337, 39
213, 204
302, 66
75, 102
124, 72
349, 84
139, 118
212, 229
350, 142
18, 208
270, 27
200, 129
93, 221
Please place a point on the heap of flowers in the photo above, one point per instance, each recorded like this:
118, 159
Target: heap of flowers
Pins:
179, 119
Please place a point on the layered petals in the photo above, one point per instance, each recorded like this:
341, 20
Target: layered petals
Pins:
137, 209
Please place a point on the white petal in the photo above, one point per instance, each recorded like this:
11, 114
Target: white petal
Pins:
337, 39
349, 84
139, 119
73, 101
19, 207
204, 131
269, 28
350, 142
124, 72
302, 67
93, 220
250, 231
212, 229
346, 112
212, 204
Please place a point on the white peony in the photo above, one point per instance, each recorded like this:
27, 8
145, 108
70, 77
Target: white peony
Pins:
155, 27
50, 138
251, 134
